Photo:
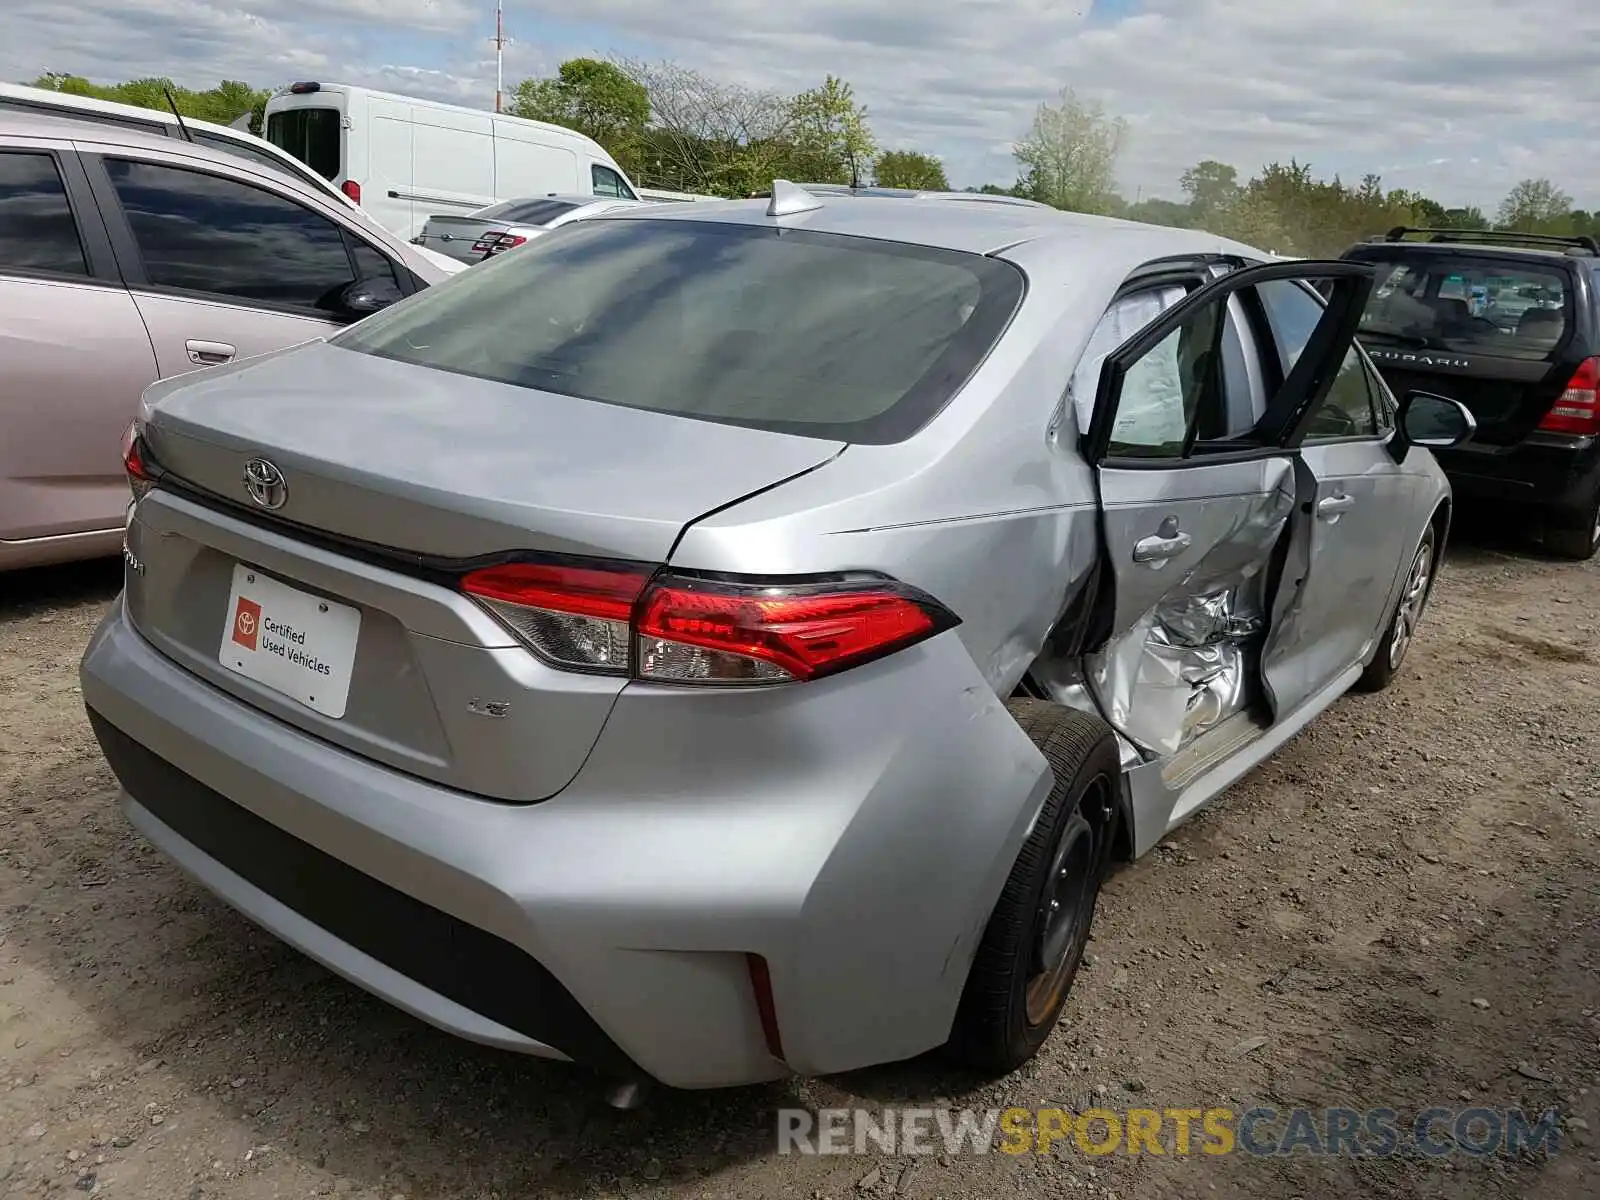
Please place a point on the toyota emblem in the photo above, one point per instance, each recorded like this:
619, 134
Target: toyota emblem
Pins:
264, 483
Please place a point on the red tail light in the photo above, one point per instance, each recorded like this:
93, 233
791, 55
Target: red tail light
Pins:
572, 616
691, 630
618, 619
352, 189
142, 473
496, 243
766, 1005
1578, 410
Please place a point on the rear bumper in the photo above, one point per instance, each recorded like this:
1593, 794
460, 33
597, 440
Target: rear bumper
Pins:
1547, 470
857, 842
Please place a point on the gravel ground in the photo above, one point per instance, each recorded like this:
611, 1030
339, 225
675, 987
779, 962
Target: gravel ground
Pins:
1398, 911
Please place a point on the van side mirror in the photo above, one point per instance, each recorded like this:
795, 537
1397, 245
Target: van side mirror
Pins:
1437, 422
367, 296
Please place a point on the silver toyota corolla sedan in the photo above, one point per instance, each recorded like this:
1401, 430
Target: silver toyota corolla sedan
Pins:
729, 640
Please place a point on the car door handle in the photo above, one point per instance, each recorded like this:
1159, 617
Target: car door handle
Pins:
209, 354
1160, 548
1332, 506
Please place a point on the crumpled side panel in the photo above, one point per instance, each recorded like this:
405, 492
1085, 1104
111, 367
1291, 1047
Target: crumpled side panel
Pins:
1192, 661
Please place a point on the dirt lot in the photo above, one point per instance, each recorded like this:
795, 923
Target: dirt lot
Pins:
1399, 911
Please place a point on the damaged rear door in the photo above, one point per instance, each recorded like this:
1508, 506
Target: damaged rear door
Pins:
1200, 486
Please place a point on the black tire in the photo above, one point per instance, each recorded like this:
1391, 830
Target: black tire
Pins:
1392, 648
1014, 994
1573, 534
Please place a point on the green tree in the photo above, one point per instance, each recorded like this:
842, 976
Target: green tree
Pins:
707, 136
596, 98
1536, 206
1156, 211
831, 140
1470, 217
910, 169
223, 104
1212, 188
1068, 157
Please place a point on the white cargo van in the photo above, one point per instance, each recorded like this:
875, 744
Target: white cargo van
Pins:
404, 160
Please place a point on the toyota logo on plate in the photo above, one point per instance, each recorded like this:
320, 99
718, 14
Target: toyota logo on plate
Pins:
264, 483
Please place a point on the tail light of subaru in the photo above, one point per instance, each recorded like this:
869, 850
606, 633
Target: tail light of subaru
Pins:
1578, 409
682, 628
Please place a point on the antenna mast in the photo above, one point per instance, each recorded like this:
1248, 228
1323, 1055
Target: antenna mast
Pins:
499, 52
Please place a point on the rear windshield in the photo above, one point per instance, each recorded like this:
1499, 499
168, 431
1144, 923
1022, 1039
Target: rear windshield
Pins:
1495, 306
525, 212
781, 329
310, 134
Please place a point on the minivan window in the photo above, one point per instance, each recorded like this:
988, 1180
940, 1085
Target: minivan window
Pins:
311, 135
608, 183
204, 233
1503, 307
788, 330
37, 232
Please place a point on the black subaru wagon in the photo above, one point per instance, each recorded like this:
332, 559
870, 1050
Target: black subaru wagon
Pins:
1508, 324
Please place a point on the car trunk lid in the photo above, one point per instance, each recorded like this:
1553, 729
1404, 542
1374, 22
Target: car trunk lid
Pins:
1497, 331
438, 465
1507, 397
394, 479
456, 236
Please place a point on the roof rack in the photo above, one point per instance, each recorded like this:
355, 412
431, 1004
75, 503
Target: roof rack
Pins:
1579, 244
845, 189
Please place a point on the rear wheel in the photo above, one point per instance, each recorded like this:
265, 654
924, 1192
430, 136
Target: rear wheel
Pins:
1575, 534
1402, 628
1034, 942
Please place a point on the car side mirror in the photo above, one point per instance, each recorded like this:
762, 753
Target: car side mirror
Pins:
1437, 422
367, 296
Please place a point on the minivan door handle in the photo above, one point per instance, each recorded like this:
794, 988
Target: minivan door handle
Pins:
1332, 506
209, 354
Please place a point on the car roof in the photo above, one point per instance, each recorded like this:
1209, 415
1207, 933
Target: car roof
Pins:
21, 123
90, 133
963, 221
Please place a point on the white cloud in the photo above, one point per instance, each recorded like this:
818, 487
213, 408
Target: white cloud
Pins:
1457, 98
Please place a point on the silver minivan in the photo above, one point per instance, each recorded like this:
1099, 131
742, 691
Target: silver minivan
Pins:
127, 257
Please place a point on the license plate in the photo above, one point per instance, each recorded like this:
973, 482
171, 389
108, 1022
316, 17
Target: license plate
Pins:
290, 641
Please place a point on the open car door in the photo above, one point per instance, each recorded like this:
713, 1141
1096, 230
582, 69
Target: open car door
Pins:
1202, 491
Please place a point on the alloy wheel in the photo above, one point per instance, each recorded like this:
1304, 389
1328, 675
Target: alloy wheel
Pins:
1411, 602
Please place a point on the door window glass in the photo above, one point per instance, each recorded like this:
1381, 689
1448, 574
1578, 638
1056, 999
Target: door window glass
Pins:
204, 233
607, 182
1383, 405
1348, 409
37, 232
1165, 390
1126, 316
369, 263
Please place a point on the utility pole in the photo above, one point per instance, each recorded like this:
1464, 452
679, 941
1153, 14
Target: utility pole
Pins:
499, 53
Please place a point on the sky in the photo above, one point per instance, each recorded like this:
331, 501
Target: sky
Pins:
1458, 99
